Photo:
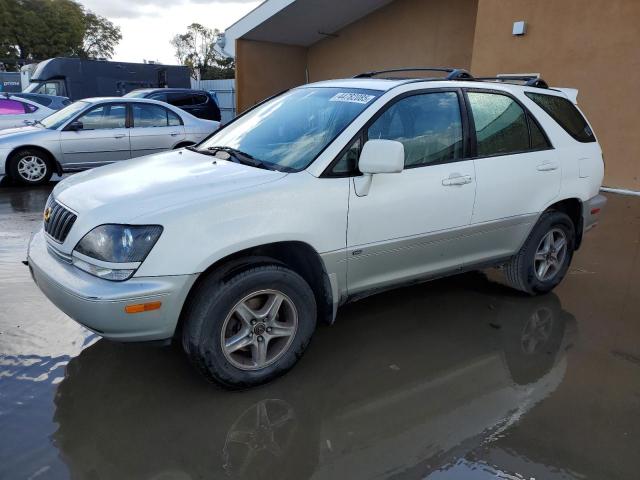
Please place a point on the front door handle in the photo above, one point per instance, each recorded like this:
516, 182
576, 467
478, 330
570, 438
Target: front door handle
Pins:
119, 135
547, 167
455, 179
174, 134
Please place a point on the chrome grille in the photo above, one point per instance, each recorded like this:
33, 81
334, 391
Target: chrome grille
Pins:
60, 220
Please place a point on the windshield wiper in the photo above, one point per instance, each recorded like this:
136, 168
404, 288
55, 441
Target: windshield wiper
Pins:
239, 156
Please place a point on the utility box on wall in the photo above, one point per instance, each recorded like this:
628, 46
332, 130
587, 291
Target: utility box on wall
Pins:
519, 28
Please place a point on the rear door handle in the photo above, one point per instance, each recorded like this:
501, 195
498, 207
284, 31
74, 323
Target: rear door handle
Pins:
119, 135
547, 167
456, 180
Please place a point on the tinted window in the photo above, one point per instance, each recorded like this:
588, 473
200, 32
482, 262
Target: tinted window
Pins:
146, 115
428, 125
105, 116
199, 99
566, 114
538, 138
180, 99
161, 97
45, 101
30, 108
500, 123
11, 107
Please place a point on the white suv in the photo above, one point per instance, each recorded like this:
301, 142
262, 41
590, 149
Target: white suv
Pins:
319, 196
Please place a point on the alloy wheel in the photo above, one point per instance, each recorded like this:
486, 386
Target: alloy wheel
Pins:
259, 329
32, 168
550, 255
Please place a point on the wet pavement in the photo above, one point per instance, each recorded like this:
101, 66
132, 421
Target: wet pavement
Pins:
460, 378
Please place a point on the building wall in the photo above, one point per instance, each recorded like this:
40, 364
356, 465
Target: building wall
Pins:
403, 33
263, 69
592, 46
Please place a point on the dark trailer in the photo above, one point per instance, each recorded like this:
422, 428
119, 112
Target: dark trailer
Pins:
79, 78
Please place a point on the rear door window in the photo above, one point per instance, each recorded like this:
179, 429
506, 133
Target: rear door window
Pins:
565, 113
500, 124
148, 115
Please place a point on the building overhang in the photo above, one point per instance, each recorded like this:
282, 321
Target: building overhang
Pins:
298, 22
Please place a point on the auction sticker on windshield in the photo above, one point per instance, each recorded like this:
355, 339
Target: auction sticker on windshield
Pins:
352, 97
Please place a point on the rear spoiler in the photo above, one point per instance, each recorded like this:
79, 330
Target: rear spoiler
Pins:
570, 93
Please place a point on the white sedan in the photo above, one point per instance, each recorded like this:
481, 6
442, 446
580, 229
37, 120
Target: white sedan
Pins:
18, 112
94, 132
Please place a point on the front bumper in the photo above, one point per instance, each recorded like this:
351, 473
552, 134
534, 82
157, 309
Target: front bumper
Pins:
99, 304
591, 210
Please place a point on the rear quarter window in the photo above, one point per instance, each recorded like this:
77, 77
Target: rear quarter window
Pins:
199, 99
565, 114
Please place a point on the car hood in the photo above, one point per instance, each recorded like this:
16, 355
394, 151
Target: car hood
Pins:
9, 134
125, 191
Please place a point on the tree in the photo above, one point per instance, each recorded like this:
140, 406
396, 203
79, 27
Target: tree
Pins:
100, 37
196, 50
34, 30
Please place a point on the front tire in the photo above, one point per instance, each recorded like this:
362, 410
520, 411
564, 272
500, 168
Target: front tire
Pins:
250, 328
544, 259
30, 166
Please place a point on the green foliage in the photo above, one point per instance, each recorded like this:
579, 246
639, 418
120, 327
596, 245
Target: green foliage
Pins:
100, 37
34, 30
196, 50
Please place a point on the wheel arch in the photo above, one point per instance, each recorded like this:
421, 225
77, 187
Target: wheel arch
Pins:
56, 164
572, 207
299, 256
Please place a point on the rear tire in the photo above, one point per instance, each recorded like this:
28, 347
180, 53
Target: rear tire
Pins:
250, 328
30, 166
544, 259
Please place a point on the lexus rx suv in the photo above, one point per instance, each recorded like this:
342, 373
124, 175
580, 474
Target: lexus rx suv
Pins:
319, 196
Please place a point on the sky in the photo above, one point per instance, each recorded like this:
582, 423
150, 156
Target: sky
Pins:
147, 26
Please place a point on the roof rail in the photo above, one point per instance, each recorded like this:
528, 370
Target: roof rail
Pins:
527, 80
452, 73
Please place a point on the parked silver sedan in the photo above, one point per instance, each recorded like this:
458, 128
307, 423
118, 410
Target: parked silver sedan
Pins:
94, 132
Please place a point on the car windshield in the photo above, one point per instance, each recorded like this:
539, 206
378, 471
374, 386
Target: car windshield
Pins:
290, 130
57, 119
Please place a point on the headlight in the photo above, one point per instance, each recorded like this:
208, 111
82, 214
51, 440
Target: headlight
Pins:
115, 252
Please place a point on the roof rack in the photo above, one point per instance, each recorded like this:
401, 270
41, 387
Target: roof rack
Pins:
527, 80
452, 73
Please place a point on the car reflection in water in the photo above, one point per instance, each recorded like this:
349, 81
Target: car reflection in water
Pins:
405, 383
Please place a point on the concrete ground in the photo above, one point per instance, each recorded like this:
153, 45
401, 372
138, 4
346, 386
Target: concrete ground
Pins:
460, 378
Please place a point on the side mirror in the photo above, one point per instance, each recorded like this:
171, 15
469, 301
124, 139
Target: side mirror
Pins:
75, 126
378, 156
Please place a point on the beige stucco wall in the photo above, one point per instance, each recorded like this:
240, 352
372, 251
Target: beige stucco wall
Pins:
264, 69
403, 33
592, 46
